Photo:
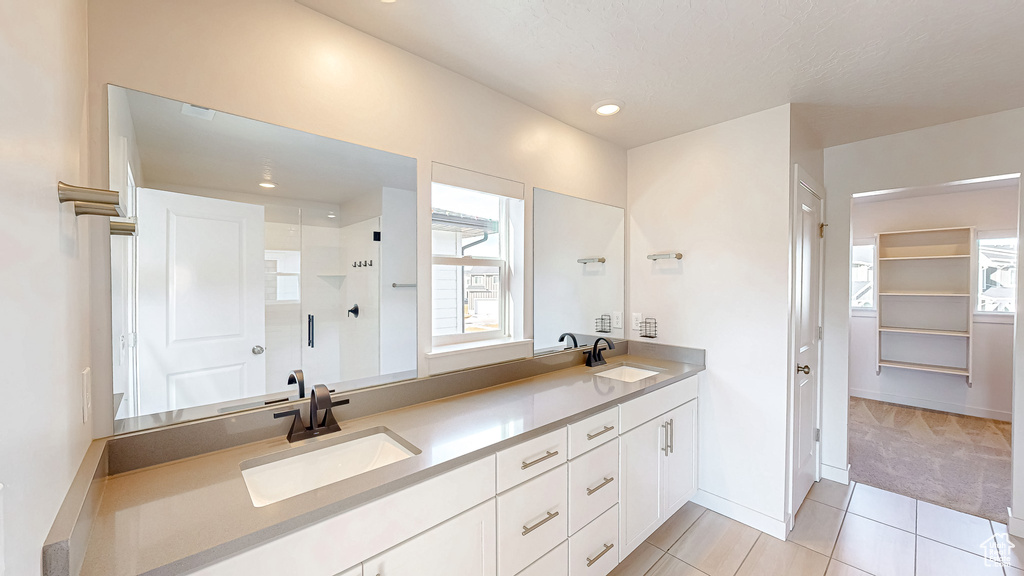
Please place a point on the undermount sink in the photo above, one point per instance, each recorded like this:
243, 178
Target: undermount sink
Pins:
275, 477
627, 373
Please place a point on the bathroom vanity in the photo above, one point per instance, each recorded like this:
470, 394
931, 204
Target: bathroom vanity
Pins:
561, 473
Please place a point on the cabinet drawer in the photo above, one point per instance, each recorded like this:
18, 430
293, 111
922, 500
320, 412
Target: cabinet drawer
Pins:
554, 563
593, 431
532, 519
593, 484
592, 551
531, 458
640, 410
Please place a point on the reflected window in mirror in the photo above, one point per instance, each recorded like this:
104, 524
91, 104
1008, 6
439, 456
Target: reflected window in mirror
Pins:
474, 238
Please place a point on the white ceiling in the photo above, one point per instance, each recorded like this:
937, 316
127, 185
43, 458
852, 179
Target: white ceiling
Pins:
857, 68
233, 153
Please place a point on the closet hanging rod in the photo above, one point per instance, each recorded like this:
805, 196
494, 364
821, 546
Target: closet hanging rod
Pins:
396, 285
122, 228
599, 260
666, 256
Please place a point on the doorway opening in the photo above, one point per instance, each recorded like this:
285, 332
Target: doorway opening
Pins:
932, 309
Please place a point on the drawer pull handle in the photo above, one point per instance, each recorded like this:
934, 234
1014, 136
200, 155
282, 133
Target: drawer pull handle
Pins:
672, 435
607, 481
541, 459
592, 561
527, 530
606, 429
664, 430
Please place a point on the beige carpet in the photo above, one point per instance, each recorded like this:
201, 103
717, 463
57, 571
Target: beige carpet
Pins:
960, 462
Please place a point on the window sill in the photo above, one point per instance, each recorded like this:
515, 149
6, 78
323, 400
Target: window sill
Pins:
993, 318
464, 355
863, 312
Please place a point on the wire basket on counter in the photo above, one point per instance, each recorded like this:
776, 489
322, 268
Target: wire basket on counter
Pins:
603, 324
649, 328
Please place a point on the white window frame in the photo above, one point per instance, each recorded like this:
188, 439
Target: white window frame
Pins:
992, 316
864, 310
504, 289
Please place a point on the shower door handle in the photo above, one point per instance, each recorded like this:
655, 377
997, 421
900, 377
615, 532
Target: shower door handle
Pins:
311, 326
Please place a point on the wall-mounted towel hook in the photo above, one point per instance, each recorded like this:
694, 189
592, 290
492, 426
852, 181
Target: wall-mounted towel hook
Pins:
354, 311
666, 256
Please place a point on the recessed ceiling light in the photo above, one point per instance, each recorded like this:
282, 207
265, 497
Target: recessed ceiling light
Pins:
388, 1
267, 185
607, 107
331, 215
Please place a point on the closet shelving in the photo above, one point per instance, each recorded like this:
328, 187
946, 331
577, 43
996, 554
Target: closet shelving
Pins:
926, 284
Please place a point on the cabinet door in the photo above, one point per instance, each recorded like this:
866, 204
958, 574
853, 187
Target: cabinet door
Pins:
679, 470
640, 510
462, 546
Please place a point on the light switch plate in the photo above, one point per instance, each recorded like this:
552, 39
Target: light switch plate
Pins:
637, 319
86, 394
616, 319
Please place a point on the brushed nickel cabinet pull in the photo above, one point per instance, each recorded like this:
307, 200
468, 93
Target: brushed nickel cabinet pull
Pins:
672, 436
541, 459
592, 561
606, 429
606, 482
664, 430
527, 530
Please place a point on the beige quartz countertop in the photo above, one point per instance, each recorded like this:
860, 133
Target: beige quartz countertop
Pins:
179, 516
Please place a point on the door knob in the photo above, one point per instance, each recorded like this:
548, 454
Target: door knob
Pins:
805, 369
257, 350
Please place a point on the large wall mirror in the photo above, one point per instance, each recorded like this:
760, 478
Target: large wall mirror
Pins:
578, 270
260, 250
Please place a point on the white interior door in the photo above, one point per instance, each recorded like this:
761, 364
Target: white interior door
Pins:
200, 300
806, 292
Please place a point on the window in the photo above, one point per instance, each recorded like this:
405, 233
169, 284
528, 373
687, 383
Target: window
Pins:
997, 275
862, 277
471, 235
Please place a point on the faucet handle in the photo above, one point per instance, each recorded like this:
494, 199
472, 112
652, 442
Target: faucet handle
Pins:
297, 426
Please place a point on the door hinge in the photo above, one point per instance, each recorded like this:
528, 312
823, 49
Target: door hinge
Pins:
817, 434
132, 339
821, 333
821, 229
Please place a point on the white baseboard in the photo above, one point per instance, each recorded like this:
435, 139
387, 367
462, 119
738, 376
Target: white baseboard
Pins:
841, 475
1015, 526
932, 404
740, 513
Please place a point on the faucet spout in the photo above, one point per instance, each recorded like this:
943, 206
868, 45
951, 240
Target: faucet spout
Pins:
595, 357
575, 343
319, 399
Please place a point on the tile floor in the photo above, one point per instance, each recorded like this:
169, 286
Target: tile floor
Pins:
854, 530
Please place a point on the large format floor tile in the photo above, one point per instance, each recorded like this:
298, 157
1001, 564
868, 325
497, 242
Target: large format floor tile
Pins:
876, 548
956, 529
832, 493
670, 566
837, 568
886, 507
817, 526
1015, 554
935, 559
675, 526
639, 561
773, 557
716, 545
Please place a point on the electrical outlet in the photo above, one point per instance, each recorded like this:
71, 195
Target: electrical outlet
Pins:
616, 319
86, 394
637, 319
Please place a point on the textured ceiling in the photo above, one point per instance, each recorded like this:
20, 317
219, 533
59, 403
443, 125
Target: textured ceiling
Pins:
857, 68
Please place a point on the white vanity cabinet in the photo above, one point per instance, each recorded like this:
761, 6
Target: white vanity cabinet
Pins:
462, 546
657, 461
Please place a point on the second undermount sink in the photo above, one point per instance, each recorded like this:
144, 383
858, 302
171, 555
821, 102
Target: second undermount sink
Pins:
275, 477
627, 373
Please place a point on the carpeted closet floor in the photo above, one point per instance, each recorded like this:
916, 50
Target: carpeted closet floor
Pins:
960, 462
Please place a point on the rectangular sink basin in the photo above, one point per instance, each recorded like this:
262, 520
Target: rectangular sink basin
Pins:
627, 373
278, 476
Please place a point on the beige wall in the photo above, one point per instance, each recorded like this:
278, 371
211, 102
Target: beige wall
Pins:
277, 61
44, 272
721, 196
974, 148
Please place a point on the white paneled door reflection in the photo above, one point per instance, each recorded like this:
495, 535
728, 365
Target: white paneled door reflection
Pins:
200, 300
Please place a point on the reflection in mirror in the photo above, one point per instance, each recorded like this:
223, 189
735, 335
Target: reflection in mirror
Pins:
573, 289
260, 250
